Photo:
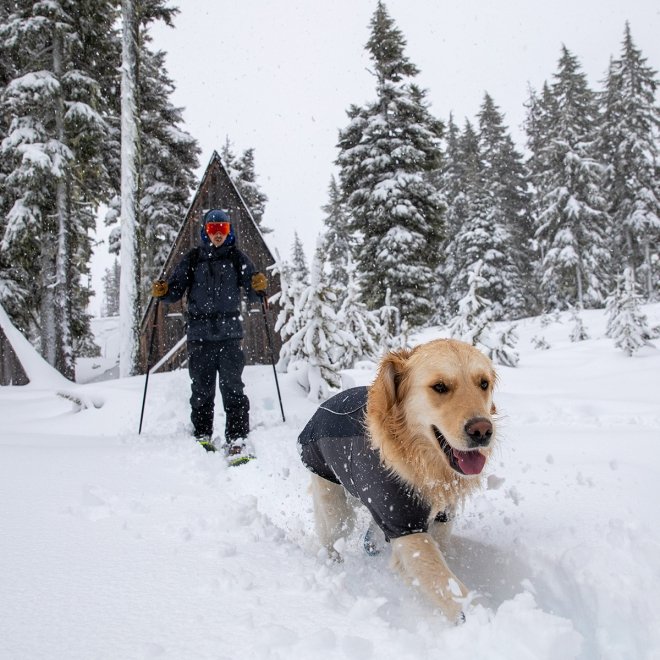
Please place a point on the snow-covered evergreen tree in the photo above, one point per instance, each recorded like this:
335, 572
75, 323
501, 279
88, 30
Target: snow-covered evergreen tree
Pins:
451, 182
578, 331
54, 173
229, 159
501, 346
316, 349
299, 260
627, 325
509, 250
541, 111
480, 239
385, 156
473, 323
630, 146
338, 238
392, 330
169, 158
242, 172
250, 190
288, 321
362, 328
473, 318
572, 223
111, 283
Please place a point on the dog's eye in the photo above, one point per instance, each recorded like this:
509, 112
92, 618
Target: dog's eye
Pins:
484, 384
441, 388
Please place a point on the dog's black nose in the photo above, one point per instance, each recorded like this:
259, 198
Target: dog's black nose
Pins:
479, 430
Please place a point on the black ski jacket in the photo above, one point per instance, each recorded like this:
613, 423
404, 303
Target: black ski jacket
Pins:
334, 444
213, 278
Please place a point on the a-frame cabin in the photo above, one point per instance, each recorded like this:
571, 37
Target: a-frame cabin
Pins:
216, 190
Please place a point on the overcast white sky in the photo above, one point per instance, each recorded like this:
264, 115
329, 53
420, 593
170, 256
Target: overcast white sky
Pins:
278, 75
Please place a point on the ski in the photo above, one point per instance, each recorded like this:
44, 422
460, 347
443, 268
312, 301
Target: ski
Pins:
240, 460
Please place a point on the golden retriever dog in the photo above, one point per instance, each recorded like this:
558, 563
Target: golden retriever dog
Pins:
411, 447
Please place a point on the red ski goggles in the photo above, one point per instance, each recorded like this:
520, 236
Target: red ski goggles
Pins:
213, 228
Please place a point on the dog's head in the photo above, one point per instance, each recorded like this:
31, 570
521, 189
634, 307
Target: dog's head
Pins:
435, 403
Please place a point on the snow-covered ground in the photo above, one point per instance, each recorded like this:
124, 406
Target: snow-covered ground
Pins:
115, 545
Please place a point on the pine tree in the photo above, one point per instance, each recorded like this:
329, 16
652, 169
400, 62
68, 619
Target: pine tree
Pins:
579, 331
363, 330
288, 321
317, 347
472, 321
541, 111
473, 235
449, 181
229, 159
385, 156
169, 160
252, 194
163, 160
299, 261
629, 144
627, 325
111, 283
510, 247
241, 170
339, 240
392, 329
54, 173
572, 224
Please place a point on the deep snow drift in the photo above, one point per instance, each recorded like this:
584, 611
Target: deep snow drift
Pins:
116, 545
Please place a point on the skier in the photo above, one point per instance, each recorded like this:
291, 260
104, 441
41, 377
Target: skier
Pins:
213, 274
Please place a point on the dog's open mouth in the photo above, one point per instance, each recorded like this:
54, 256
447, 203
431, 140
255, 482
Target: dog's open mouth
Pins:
464, 462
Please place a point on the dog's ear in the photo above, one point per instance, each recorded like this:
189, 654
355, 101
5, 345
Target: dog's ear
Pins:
387, 386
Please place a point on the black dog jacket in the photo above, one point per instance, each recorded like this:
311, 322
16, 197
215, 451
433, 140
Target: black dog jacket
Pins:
334, 445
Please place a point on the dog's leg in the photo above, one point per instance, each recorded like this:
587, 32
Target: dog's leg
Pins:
419, 559
333, 513
440, 529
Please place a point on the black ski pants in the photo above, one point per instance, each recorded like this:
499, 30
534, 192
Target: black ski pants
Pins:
226, 359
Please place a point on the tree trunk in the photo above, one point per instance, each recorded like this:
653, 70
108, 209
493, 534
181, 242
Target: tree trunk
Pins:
47, 313
580, 295
650, 291
64, 360
129, 255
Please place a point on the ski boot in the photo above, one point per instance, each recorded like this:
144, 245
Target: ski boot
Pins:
236, 452
206, 441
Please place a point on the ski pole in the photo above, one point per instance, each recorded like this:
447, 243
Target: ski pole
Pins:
272, 354
149, 355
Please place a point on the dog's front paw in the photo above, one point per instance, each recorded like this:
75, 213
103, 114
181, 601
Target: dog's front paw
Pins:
334, 556
330, 554
453, 613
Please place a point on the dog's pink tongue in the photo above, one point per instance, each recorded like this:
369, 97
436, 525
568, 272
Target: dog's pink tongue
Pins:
471, 462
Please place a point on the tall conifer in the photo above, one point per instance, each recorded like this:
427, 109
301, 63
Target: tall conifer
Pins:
629, 144
385, 156
572, 223
54, 173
